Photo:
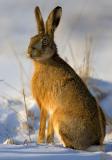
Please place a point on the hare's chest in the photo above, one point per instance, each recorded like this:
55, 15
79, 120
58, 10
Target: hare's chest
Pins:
44, 90
41, 85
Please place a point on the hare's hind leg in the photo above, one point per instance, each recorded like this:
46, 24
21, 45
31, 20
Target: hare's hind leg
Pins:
64, 136
50, 131
62, 129
102, 124
41, 133
67, 142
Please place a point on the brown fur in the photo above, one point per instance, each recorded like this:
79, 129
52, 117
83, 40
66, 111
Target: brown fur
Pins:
73, 112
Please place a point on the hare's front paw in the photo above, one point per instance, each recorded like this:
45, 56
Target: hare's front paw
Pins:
50, 139
40, 140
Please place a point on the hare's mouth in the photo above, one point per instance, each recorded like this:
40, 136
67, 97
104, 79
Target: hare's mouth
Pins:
43, 57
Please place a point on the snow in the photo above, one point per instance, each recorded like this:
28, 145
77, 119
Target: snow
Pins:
48, 152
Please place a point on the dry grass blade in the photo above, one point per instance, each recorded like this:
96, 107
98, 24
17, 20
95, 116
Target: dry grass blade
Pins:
25, 105
86, 69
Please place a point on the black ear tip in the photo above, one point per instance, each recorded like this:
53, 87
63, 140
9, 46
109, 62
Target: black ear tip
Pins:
58, 8
37, 9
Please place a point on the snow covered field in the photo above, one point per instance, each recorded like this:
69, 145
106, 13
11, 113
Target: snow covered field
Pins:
43, 152
14, 129
81, 19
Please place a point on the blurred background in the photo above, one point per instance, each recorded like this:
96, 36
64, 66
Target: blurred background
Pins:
84, 23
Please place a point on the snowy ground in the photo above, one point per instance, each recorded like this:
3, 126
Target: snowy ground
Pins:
42, 152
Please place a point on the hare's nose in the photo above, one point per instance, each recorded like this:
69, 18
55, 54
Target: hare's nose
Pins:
29, 52
29, 55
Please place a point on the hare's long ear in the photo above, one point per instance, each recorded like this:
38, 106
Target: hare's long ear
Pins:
39, 19
53, 20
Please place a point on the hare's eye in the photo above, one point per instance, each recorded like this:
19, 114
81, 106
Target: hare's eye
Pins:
45, 42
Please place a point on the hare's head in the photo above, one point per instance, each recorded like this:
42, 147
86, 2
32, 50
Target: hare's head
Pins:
42, 46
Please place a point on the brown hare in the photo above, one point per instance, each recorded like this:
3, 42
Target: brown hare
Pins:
74, 114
